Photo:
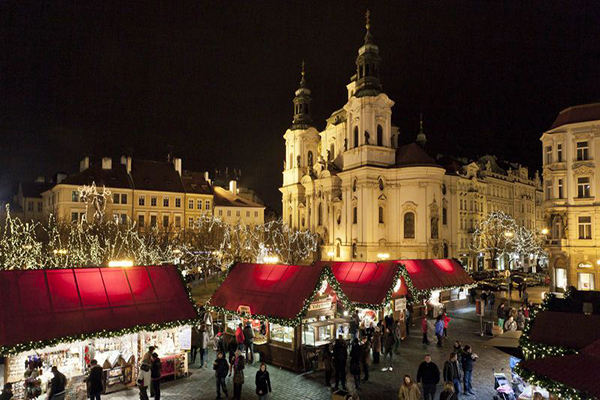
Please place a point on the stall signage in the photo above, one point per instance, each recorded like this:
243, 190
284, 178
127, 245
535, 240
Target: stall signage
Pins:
585, 265
400, 304
185, 337
320, 305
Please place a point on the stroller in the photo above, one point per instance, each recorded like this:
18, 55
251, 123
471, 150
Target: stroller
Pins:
504, 390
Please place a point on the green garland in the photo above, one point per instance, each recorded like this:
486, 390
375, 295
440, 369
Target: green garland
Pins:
326, 274
40, 344
565, 392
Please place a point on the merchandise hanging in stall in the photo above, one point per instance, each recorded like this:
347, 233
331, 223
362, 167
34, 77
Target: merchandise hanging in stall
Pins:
67, 317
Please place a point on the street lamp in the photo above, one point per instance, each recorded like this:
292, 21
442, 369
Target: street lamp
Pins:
120, 263
508, 234
383, 256
545, 231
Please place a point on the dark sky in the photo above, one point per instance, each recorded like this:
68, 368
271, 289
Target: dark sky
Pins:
215, 80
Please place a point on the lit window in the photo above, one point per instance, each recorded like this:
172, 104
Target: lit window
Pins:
585, 227
141, 200
583, 187
409, 225
582, 151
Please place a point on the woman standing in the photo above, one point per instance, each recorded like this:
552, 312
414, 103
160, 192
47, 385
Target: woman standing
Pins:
263, 382
409, 390
237, 366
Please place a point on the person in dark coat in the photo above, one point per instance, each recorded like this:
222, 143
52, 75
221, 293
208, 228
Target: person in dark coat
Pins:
263, 382
365, 354
237, 367
7, 392
249, 342
355, 360
452, 372
388, 346
340, 356
57, 383
231, 349
196, 340
448, 392
221, 368
327, 364
429, 375
156, 374
376, 345
468, 358
94, 381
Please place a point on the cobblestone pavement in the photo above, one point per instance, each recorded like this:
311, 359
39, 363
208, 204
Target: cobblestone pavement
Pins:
464, 326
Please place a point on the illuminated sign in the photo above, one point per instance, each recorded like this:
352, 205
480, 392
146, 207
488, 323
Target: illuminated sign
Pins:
585, 265
244, 310
320, 305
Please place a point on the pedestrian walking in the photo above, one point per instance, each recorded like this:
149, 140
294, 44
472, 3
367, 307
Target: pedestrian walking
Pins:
424, 329
492, 300
7, 392
144, 380
196, 340
155, 375
57, 385
249, 342
340, 357
448, 393
439, 330
409, 390
263, 382
327, 358
365, 352
237, 369
510, 324
239, 337
397, 331
376, 345
221, 368
94, 381
355, 361
205, 339
468, 358
429, 375
446, 319
388, 346
452, 372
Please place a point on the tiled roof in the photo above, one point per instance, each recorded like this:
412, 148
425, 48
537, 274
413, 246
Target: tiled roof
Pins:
155, 175
115, 177
194, 182
225, 198
413, 155
581, 113
35, 189
571, 330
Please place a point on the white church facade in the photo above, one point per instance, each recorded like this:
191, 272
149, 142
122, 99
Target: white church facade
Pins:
369, 198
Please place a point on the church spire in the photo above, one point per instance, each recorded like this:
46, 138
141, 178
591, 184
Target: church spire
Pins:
367, 65
421, 138
302, 107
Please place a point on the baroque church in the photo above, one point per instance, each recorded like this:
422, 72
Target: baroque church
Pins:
366, 196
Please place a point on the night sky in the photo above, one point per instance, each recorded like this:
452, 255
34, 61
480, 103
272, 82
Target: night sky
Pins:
214, 81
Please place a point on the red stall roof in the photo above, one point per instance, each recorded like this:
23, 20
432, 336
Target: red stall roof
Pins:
48, 305
269, 290
578, 371
436, 274
366, 282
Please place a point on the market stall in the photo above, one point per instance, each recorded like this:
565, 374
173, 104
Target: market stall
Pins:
67, 317
293, 309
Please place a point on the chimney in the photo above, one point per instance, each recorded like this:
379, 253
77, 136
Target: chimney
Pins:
177, 164
106, 163
128, 165
233, 187
84, 164
60, 176
123, 160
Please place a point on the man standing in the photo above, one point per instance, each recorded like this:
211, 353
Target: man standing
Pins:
156, 374
249, 342
429, 375
452, 372
340, 356
221, 368
57, 384
239, 337
468, 358
94, 381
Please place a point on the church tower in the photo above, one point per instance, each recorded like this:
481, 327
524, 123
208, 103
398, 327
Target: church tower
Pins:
369, 130
301, 149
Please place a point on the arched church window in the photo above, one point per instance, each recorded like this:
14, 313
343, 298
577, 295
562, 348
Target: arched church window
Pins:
310, 159
320, 215
354, 185
354, 250
354, 215
380, 214
356, 136
445, 247
445, 216
379, 135
337, 250
409, 225
332, 152
381, 185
